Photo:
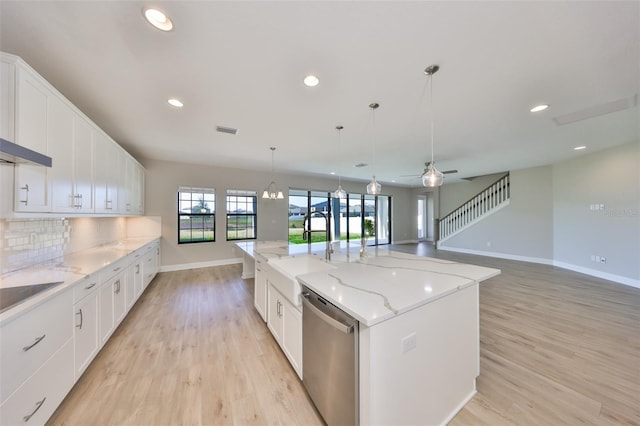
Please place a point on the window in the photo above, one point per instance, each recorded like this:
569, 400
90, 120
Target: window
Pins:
241, 215
346, 217
196, 215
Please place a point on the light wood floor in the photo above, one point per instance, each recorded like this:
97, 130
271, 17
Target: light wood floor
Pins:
557, 348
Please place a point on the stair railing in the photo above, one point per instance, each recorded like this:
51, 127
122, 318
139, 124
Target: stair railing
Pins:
481, 204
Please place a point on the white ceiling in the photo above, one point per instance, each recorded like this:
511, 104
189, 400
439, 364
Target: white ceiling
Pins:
241, 64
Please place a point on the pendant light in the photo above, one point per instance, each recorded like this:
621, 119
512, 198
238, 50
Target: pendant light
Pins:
374, 187
432, 177
272, 192
340, 193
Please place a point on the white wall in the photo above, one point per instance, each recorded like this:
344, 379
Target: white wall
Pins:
163, 179
611, 178
549, 219
521, 230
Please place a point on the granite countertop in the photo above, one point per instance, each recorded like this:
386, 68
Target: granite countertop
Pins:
62, 273
378, 288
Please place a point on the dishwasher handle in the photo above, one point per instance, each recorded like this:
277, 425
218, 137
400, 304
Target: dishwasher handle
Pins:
345, 328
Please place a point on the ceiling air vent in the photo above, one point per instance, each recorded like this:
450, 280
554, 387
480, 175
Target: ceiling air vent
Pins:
229, 130
596, 111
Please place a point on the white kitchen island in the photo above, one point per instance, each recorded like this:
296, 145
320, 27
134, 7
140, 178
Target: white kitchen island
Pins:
418, 330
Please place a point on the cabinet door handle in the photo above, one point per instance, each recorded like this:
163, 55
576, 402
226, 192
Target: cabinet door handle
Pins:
38, 405
107, 205
79, 313
90, 286
26, 189
35, 342
138, 269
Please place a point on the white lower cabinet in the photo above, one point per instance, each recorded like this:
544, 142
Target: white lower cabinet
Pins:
29, 340
292, 336
38, 397
85, 332
285, 323
45, 350
150, 263
37, 362
260, 288
131, 294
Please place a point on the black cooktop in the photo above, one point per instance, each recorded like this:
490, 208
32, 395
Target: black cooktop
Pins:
9, 297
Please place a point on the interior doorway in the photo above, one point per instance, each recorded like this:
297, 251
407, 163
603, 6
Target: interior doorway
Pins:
426, 217
422, 218
430, 217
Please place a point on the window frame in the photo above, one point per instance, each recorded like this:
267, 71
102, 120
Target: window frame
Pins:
212, 214
254, 215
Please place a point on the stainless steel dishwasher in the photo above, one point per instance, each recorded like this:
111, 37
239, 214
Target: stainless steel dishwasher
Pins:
330, 359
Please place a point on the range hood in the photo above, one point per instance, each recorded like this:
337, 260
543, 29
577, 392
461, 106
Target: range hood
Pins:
12, 153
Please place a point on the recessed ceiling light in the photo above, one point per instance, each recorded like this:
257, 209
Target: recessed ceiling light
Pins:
578, 148
158, 19
311, 81
332, 173
175, 102
539, 108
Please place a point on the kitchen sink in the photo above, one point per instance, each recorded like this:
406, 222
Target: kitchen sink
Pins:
284, 272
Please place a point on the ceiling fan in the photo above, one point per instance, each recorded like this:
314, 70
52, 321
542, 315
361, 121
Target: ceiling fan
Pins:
426, 166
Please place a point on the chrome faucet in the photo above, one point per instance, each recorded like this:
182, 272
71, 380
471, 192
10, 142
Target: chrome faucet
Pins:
307, 233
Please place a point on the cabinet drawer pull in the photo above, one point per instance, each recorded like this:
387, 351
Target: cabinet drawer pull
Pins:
38, 405
117, 269
90, 286
79, 313
38, 340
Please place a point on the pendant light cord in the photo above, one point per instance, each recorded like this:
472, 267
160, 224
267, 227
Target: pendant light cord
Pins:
338, 128
432, 113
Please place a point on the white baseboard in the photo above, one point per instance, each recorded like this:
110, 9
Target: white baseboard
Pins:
599, 274
405, 242
196, 265
498, 255
587, 271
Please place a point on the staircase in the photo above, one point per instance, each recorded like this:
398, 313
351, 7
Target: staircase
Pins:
489, 200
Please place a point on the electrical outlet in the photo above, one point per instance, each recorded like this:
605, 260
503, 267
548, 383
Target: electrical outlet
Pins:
409, 342
597, 258
593, 257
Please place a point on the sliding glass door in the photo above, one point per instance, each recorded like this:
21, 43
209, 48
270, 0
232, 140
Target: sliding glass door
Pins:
347, 217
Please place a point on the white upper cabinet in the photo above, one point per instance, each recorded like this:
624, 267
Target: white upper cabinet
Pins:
71, 144
31, 115
91, 174
109, 165
133, 188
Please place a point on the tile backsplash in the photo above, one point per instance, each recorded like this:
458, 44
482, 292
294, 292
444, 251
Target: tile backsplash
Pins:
29, 242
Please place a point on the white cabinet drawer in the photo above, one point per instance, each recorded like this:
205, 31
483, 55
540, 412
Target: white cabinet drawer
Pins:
115, 268
31, 339
35, 401
86, 286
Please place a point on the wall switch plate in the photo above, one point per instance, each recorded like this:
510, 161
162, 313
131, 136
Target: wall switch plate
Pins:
409, 342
